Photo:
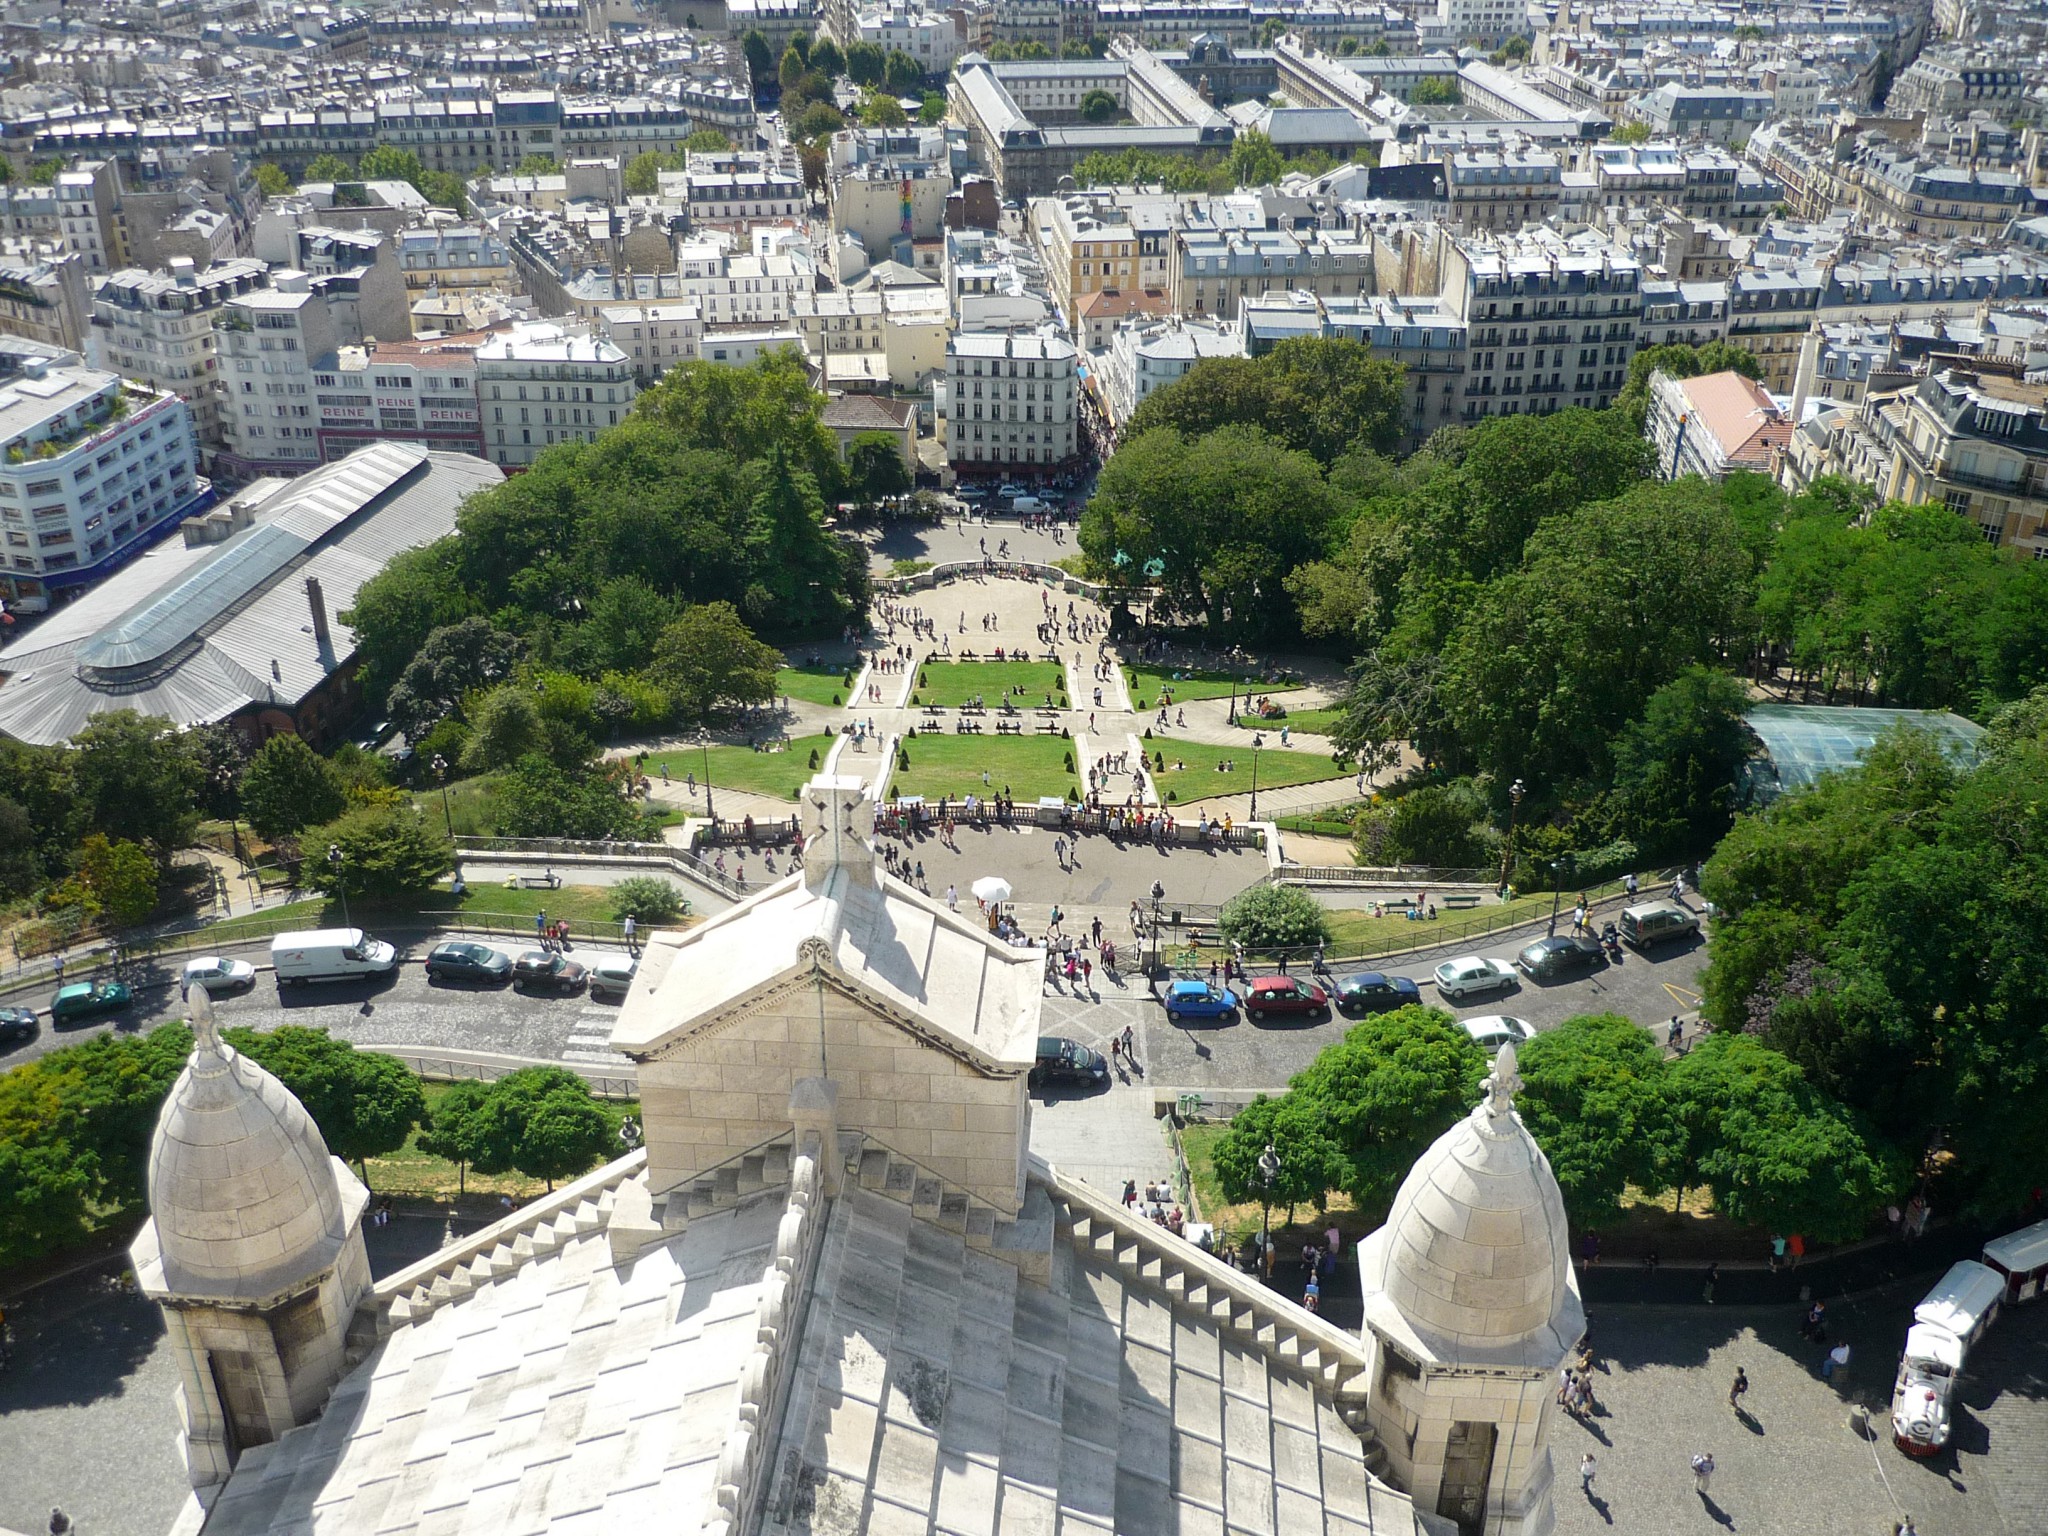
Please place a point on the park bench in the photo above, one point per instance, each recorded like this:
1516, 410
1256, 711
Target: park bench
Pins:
1048, 714
1398, 904
966, 727
547, 882
973, 709
1461, 903
1048, 729
934, 709
1009, 728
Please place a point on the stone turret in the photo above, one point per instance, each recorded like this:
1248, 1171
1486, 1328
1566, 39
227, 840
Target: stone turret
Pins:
254, 1250
1470, 1308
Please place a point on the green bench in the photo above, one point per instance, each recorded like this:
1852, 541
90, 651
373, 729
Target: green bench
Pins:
1461, 903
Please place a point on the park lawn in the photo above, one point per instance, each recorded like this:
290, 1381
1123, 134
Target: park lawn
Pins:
1030, 767
1186, 682
409, 1173
1301, 722
953, 683
778, 775
814, 685
1337, 821
588, 908
1278, 766
1234, 1220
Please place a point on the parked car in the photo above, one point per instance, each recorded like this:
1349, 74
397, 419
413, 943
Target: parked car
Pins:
83, 999
461, 960
1655, 921
1376, 992
218, 974
613, 977
1560, 956
17, 1024
1064, 1061
1284, 994
1491, 1031
1193, 998
543, 969
1472, 973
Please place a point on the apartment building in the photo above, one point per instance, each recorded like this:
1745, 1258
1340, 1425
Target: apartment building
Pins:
1216, 269
1502, 189
401, 391
1974, 440
738, 187
1550, 322
1719, 114
92, 470
654, 336
159, 327
1011, 403
540, 384
1095, 243
1146, 355
1713, 425
46, 298
1419, 332
269, 341
926, 36
1942, 202
444, 257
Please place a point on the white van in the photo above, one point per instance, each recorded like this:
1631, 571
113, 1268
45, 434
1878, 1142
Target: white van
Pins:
329, 954
1029, 505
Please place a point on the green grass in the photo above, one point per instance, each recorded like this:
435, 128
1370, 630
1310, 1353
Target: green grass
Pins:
580, 904
1338, 821
953, 683
909, 567
1029, 766
1310, 722
1186, 682
1199, 780
410, 1173
778, 775
814, 685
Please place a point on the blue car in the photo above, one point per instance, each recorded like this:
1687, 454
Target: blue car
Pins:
1373, 992
1196, 999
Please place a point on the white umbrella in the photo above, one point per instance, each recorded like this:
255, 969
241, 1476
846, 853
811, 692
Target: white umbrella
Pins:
991, 888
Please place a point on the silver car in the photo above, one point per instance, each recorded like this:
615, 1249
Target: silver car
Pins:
1473, 973
217, 974
1491, 1031
613, 977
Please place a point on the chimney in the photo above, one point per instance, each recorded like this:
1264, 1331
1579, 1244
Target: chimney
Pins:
323, 642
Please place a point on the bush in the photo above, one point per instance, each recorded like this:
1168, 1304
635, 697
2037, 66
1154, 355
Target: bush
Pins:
814, 750
1440, 825
1070, 762
835, 698
646, 899
1274, 917
903, 757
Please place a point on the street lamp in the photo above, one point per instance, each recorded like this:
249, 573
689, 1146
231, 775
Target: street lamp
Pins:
1507, 857
440, 766
710, 807
1561, 867
1233, 701
1269, 1171
340, 881
1258, 743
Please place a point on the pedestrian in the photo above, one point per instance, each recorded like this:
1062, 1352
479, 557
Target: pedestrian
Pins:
630, 926
1087, 973
1587, 1467
540, 927
1738, 1388
952, 898
1130, 1193
1702, 1472
1796, 1244
1130, 1049
1116, 1047
60, 1523
1816, 1325
1838, 1359
1589, 1249
1564, 1385
58, 962
1675, 1035
1777, 1252
1312, 1297
1893, 1218
1712, 1283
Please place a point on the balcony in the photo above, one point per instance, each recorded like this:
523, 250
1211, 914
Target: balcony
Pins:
2032, 487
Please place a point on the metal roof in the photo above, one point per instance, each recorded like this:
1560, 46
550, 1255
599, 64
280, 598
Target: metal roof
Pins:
1804, 741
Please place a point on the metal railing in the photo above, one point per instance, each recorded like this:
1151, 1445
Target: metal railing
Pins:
443, 1069
681, 861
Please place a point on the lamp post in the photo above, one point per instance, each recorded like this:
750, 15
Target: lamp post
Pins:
440, 766
1507, 857
224, 781
1269, 1171
1233, 701
1561, 867
1258, 745
710, 807
340, 881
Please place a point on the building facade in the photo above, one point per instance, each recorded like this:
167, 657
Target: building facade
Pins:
160, 328
540, 384
1011, 403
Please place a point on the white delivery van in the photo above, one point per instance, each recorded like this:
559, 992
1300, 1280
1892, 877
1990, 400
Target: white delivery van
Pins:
329, 954
1030, 505
2022, 1259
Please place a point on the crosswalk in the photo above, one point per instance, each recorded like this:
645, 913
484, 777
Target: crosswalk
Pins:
590, 1037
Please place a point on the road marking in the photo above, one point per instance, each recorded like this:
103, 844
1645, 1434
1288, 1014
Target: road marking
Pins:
1685, 997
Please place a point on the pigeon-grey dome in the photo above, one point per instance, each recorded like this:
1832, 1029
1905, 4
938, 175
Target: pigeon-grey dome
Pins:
241, 1185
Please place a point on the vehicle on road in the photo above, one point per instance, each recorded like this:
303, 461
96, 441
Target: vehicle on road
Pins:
1193, 998
1491, 1031
543, 970
1067, 1062
1655, 922
1560, 956
465, 960
613, 977
1473, 973
83, 999
1376, 992
1949, 1320
17, 1024
330, 954
1269, 995
218, 974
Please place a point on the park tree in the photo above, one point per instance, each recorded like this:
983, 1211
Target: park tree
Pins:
1310, 1161
748, 413
1321, 395
760, 54
878, 109
456, 1128
21, 866
387, 162
1254, 162
417, 592
1593, 1097
539, 797
329, 167
826, 57
1436, 92
1681, 360
387, 852
801, 566
542, 1122
1442, 826
1099, 106
39, 799
1677, 765
902, 74
1274, 917
505, 725
122, 878
454, 661
875, 467
1631, 133
139, 781
790, 70
706, 141
643, 173
289, 787
365, 1103
933, 111
710, 663
621, 623
538, 165
867, 63
271, 180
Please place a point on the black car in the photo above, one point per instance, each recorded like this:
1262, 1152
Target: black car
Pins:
1565, 955
1376, 992
458, 960
1063, 1061
17, 1024
543, 969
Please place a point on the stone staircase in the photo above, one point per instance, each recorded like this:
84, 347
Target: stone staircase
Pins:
1023, 1240
546, 1226
760, 1168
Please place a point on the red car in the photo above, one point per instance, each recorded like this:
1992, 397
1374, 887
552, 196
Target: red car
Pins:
1266, 995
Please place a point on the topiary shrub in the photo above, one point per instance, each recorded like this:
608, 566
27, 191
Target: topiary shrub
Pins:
915, 701
1069, 735
835, 698
922, 680
1148, 733
1274, 917
646, 899
902, 757
1070, 762
1173, 794
1159, 761
814, 757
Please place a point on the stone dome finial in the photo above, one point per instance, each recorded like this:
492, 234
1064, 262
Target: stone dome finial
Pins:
1502, 1084
243, 1192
